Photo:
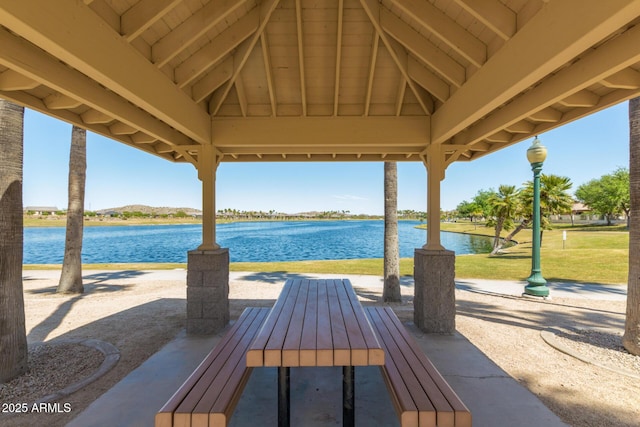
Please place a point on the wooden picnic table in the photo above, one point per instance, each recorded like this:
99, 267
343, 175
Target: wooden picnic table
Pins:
316, 323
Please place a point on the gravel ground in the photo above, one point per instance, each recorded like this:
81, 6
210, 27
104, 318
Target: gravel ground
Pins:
139, 316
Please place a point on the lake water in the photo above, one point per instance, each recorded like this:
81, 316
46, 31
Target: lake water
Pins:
247, 241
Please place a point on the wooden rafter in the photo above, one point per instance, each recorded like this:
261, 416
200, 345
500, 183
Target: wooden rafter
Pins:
446, 29
303, 82
46, 24
192, 29
242, 54
30, 61
213, 52
610, 58
372, 69
492, 13
502, 78
336, 93
143, 15
422, 48
266, 58
372, 8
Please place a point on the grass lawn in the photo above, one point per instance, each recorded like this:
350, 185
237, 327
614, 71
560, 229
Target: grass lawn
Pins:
590, 254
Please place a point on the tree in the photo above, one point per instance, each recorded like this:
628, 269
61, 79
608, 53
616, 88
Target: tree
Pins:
504, 206
554, 199
13, 336
631, 337
71, 276
607, 195
391, 290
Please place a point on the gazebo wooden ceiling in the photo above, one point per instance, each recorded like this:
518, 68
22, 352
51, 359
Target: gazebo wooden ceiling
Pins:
315, 80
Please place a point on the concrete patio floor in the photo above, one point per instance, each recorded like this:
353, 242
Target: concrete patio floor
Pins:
494, 398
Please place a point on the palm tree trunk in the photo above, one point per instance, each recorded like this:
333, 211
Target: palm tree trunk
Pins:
71, 276
631, 337
496, 239
13, 337
391, 290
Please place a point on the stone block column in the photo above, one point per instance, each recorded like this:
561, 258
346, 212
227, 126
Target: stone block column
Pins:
207, 291
434, 302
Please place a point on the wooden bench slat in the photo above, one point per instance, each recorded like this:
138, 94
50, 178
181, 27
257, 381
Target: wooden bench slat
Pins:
165, 416
405, 364
341, 350
310, 327
273, 348
462, 413
291, 346
359, 351
219, 393
224, 366
324, 355
405, 405
255, 354
376, 354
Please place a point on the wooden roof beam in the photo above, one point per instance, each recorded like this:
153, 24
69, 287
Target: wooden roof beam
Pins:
266, 8
422, 48
446, 29
117, 65
34, 63
214, 51
609, 58
624, 79
428, 80
266, 58
372, 69
143, 15
549, 44
303, 82
494, 14
372, 9
12, 80
185, 34
212, 80
583, 98
58, 101
95, 117
336, 91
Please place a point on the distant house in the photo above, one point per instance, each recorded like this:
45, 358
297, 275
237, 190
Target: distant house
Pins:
41, 210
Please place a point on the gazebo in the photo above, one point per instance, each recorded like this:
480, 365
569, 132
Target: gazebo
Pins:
432, 81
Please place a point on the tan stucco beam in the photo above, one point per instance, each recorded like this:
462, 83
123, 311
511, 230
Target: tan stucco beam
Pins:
96, 50
320, 131
27, 59
609, 58
549, 40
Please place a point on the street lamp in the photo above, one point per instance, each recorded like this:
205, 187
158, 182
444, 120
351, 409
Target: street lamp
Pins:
536, 154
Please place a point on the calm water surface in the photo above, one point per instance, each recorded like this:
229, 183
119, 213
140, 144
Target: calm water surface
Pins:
247, 241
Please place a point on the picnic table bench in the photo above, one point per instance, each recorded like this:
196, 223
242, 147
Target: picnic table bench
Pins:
210, 394
420, 395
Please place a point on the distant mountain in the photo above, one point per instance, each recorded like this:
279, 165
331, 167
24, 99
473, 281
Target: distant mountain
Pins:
152, 210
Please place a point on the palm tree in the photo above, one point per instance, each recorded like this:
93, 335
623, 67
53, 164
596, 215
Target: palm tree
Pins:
13, 336
71, 276
631, 337
554, 199
391, 290
504, 205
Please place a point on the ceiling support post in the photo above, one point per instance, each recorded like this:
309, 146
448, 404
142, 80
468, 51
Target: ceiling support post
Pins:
207, 165
435, 164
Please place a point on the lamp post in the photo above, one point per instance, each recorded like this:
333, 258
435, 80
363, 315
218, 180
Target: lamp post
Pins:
536, 154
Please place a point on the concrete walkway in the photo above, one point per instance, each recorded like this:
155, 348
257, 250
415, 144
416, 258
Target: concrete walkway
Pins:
494, 398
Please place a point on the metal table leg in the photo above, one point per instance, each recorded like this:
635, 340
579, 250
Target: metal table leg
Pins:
348, 391
284, 395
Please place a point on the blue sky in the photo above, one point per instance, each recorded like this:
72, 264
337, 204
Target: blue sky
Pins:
119, 175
